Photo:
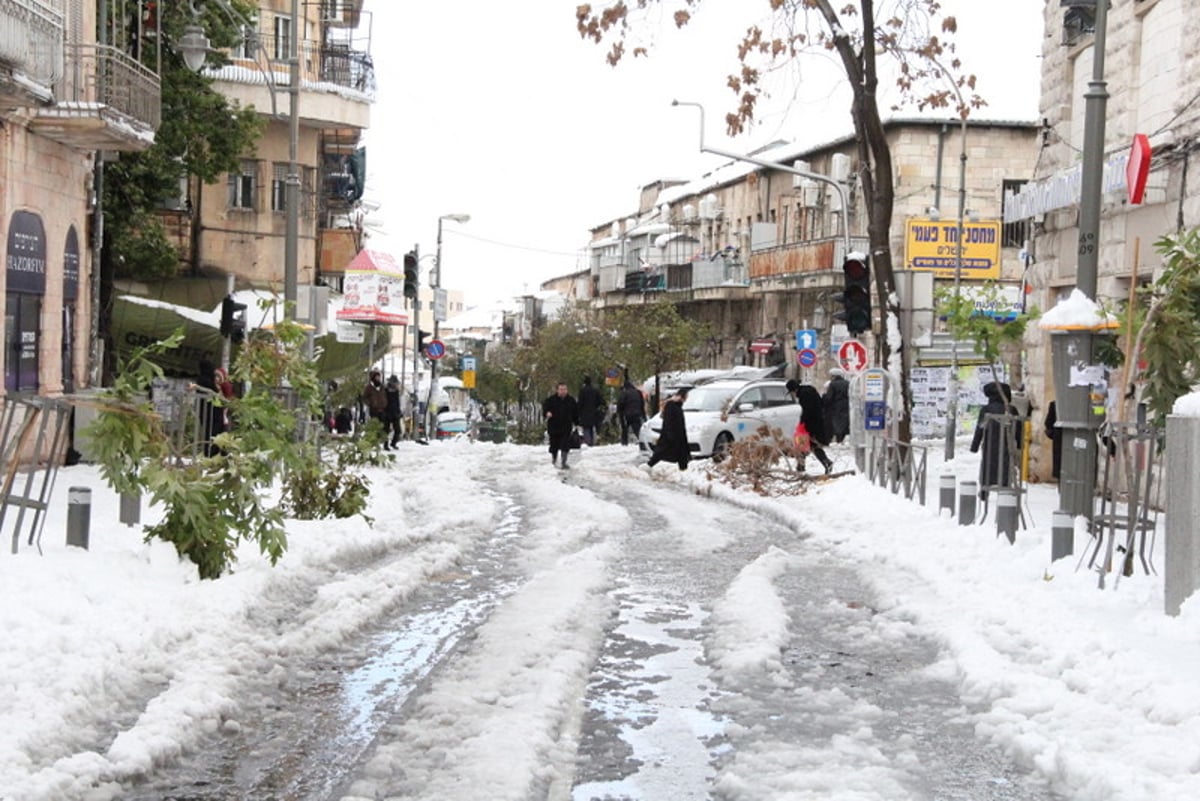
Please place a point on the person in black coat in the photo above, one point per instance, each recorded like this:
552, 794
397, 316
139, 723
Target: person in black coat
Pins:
812, 414
591, 411
836, 402
1055, 435
992, 438
672, 445
561, 413
631, 409
211, 415
392, 414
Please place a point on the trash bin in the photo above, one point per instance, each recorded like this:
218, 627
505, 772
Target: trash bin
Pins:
492, 431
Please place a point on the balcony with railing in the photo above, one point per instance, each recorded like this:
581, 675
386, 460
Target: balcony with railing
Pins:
105, 100
337, 80
799, 258
31, 51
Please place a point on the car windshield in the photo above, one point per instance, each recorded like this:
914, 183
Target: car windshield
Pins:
708, 399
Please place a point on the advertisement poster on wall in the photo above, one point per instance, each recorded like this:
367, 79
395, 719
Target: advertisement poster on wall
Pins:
931, 396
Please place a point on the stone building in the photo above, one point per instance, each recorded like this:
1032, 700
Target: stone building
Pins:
757, 251
1152, 78
66, 99
240, 224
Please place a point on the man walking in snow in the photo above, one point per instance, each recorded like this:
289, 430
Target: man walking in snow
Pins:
631, 409
672, 445
812, 414
561, 413
591, 411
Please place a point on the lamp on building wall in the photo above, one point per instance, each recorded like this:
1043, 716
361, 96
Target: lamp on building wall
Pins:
193, 47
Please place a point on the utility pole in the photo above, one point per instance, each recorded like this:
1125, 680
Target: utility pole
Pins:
416, 330
291, 271
1077, 418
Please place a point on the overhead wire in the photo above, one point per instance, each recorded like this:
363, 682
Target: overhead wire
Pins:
526, 248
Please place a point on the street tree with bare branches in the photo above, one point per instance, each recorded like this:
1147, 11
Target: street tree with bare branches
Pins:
912, 35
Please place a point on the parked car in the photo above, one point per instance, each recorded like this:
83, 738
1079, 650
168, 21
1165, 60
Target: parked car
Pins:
451, 425
722, 412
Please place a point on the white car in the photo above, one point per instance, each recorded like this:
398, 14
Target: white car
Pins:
719, 413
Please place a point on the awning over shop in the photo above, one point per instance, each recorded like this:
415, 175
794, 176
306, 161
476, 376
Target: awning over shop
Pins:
137, 322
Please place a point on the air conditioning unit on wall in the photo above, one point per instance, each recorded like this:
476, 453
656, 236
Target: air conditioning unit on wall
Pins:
799, 180
810, 194
839, 167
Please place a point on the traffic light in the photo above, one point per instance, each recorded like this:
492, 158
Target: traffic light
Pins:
421, 337
233, 321
856, 296
410, 275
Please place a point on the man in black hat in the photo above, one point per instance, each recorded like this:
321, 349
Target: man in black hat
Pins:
561, 413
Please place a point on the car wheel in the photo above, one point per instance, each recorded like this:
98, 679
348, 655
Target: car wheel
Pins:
721, 446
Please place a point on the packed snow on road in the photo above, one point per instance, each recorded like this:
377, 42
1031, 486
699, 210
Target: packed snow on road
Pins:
503, 629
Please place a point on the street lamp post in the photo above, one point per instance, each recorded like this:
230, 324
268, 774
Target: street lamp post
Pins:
1077, 487
291, 271
439, 309
193, 47
813, 176
952, 389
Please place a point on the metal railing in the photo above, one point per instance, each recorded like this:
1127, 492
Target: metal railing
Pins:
104, 76
898, 466
33, 440
31, 39
1001, 440
337, 64
1129, 498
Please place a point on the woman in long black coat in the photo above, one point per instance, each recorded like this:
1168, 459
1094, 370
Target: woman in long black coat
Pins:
672, 445
812, 414
997, 444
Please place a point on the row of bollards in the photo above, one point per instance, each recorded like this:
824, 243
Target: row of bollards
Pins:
1008, 513
79, 514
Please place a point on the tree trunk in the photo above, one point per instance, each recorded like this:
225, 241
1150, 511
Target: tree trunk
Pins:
875, 172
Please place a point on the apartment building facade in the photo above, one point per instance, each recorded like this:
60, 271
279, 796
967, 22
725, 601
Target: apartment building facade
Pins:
73, 88
757, 251
240, 224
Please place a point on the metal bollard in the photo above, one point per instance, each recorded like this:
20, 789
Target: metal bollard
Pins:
946, 495
1062, 535
131, 508
1007, 514
966, 502
79, 516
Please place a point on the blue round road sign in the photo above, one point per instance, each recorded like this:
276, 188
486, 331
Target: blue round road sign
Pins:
806, 357
435, 349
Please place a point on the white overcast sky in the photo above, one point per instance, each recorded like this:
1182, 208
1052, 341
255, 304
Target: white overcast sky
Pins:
501, 111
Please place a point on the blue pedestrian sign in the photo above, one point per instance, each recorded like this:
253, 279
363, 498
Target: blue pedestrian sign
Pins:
806, 339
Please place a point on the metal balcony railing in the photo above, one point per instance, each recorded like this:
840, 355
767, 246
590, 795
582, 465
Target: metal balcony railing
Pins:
350, 68
31, 39
332, 63
102, 76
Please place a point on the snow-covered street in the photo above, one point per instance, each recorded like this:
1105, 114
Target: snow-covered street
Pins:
507, 630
